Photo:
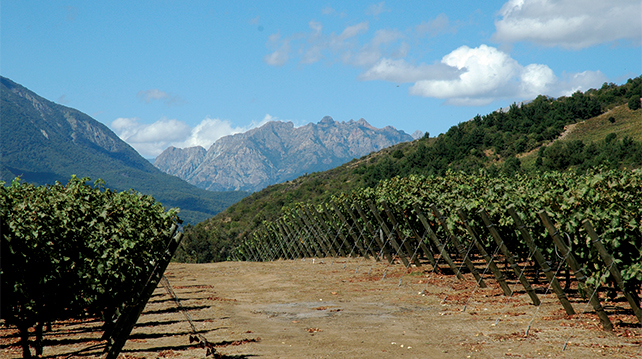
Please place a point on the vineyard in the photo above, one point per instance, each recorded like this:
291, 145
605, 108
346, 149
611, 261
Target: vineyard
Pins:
530, 228
461, 243
76, 251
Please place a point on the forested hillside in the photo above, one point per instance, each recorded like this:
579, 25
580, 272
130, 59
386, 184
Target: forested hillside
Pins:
524, 139
43, 142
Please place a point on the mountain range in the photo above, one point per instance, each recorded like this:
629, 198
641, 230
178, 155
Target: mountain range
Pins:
276, 152
43, 142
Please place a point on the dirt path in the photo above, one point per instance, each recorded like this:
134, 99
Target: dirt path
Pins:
301, 309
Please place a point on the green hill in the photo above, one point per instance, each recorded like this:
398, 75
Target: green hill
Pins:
525, 138
43, 142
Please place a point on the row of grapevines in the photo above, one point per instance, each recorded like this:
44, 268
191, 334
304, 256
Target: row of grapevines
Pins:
75, 250
610, 199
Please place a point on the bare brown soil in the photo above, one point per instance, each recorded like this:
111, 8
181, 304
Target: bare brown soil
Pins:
347, 309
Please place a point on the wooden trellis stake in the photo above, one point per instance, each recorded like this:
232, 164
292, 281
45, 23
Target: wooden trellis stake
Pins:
460, 248
615, 272
388, 234
273, 235
550, 276
442, 250
299, 236
128, 319
374, 234
577, 271
251, 250
324, 218
426, 249
320, 238
362, 231
499, 276
316, 221
314, 244
510, 258
290, 240
351, 233
406, 245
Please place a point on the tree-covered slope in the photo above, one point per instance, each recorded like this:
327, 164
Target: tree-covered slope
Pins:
498, 142
43, 142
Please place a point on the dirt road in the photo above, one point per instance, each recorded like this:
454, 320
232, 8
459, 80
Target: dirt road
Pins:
348, 309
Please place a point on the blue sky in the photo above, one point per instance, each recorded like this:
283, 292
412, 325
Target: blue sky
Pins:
163, 73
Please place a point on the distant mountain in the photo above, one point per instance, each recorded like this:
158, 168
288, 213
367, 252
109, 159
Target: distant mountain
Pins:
44, 142
276, 152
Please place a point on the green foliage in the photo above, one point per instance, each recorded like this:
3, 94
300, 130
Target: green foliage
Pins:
76, 250
610, 199
78, 144
492, 143
609, 152
502, 133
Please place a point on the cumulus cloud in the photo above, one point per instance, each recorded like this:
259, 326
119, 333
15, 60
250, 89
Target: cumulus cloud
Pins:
464, 77
487, 74
573, 24
400, 71
152, 139
149, 96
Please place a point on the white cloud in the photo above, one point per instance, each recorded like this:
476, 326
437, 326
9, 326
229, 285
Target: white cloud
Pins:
465, 77
331, 11
152, 139
316, 26
573, 24
352, 31
484, 75
376, 9
581, 81
328, 10
400, 71
155, 94
344, 47
486, 71
373, 51
440, 24
282, 53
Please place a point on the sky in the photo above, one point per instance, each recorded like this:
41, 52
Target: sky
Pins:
177, 73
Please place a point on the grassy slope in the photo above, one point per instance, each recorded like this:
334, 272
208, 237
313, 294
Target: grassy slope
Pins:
626, 123
217, 233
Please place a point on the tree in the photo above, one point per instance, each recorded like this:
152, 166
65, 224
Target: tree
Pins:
634, 103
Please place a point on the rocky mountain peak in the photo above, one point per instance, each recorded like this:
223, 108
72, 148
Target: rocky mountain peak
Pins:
276, 152
327, 120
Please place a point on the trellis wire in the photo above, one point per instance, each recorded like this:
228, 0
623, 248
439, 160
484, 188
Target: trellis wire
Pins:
584, 311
